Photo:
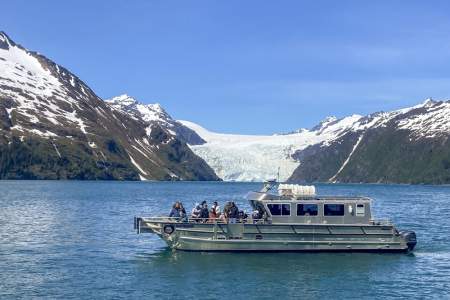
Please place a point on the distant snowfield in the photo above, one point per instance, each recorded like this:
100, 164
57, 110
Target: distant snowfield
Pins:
237, 157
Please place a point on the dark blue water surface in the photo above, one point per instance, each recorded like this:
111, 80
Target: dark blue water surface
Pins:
76, 240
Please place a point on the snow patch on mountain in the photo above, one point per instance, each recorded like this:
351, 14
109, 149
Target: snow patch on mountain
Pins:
148, 112
27, 80
332, 179
434, 121
23, 69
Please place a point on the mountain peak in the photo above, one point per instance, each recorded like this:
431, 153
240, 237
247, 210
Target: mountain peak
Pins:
4, 36
156, 107
324, 123
330, 119
155, 113
428, 102
5, 41
122, 100
148, 112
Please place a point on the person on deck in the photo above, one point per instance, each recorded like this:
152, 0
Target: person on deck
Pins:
242, 216
233, 213
226, 209
204, 212
214, 212
176, 211
256, 215
183, 214
195, 213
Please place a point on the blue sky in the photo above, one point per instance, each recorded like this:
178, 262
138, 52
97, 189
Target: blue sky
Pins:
247, 66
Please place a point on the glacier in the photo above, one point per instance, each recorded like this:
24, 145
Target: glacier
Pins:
237, 157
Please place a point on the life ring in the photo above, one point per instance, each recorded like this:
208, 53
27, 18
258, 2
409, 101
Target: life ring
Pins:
169, 229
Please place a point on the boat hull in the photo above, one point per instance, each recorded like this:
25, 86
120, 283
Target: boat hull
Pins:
210, 245
277, 237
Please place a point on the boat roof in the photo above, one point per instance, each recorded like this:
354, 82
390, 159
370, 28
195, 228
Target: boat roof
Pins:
264, 196
296, 192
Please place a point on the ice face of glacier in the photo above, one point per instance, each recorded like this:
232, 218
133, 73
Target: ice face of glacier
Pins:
260, 157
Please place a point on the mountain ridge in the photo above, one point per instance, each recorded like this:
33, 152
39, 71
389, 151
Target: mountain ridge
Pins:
151, 113
327, 152
53, 126
409, 145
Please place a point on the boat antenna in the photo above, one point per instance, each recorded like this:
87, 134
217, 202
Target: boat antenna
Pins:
278, 174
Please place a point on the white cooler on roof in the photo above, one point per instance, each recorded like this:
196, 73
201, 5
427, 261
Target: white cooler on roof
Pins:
296, 190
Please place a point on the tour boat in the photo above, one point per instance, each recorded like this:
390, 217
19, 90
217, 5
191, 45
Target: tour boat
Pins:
293, 219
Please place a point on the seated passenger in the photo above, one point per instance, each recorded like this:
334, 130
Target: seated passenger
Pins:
214, 212
204, 213
226, 208
223, 218
242, 216
183, 215
176, 211
257, 215
195, 213
226, 211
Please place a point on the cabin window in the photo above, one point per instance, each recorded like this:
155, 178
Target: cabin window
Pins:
279, 209
333, 210
360, 211
286, 209
307, 210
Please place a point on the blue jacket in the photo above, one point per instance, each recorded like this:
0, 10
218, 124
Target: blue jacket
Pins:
175, 213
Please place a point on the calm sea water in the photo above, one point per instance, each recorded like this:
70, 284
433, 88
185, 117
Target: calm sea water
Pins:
76, 240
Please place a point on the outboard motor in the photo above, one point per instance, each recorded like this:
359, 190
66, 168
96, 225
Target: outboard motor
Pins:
410, 238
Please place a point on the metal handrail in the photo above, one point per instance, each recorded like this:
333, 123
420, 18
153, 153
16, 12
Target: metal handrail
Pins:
217, 221
198, 220
381, 221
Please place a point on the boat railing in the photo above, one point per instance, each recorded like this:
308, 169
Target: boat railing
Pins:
384, 222
199, 220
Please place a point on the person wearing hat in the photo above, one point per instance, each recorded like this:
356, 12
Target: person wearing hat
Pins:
195, 213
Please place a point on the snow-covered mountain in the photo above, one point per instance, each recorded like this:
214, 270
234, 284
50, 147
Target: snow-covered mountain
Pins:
427, 119
409, 145
53, 126
325, 152
154, 113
